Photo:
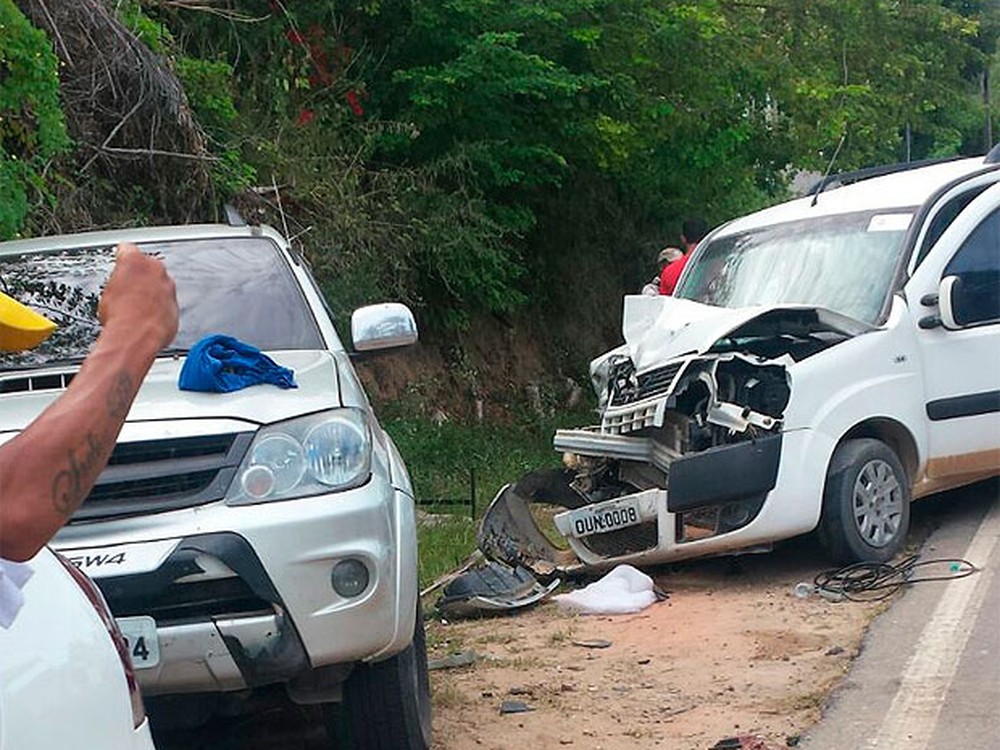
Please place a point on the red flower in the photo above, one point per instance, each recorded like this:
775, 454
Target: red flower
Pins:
354, 103
294, 37
305, 117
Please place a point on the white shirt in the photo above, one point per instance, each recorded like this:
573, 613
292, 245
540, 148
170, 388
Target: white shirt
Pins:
13, 576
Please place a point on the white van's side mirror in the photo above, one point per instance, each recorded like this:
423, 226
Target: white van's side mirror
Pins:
946, 290
382, 326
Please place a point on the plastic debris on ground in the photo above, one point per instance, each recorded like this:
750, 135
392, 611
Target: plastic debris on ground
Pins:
592, 643
453, 661
743, 742
515, 707
492, 588
624, 590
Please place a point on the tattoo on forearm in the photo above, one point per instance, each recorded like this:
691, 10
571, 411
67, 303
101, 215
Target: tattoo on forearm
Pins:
71, 485
120, 396
68, 488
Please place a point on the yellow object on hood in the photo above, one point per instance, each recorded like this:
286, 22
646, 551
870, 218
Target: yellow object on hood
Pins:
20, 326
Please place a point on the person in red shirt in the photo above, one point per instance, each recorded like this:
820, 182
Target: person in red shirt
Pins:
692, 232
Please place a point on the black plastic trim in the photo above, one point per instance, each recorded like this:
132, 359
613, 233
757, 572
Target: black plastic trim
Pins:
723, 474
971, 405
120, 489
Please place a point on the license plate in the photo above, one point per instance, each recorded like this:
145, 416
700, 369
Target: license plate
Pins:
620, 515
143, 643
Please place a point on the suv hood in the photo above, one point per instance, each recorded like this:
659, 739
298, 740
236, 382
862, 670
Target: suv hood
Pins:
659, 329
24, 394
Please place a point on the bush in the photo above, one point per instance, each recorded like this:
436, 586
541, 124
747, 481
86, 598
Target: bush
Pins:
32, 127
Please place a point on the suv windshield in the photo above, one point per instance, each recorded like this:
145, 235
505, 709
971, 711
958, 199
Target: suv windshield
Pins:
845, 263
240, 287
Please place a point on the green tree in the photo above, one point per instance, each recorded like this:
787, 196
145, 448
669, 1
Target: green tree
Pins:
32, 128
469, 156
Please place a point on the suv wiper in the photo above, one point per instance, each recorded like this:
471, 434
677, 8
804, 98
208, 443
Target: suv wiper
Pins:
46, 364
173, 351
76, 361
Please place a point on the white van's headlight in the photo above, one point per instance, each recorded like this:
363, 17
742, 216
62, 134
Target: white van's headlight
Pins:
306, 456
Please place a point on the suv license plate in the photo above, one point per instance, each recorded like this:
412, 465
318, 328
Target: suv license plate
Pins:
143, 643
620, 515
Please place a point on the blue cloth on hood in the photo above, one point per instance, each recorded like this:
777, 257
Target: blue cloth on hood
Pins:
221, 364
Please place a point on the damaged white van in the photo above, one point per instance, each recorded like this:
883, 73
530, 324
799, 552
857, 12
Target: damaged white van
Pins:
822, 363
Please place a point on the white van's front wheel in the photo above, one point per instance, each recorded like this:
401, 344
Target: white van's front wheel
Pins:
866, 503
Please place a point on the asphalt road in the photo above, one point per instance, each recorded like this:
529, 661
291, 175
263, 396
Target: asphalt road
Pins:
928, 677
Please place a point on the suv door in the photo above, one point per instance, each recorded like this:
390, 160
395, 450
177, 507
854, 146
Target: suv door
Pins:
960, 344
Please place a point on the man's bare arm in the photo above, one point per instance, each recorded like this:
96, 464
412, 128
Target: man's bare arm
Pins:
48, 470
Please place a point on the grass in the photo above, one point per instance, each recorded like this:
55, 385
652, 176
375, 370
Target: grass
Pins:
444, 544
446, 695
453, 462
561, 636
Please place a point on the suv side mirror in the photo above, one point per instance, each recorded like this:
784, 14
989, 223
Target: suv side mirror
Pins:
947, 289
382, 326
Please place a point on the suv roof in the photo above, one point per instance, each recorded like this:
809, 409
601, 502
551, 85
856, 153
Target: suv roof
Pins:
906, 189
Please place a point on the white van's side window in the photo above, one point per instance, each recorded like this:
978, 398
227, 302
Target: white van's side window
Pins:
944, 217
976, 294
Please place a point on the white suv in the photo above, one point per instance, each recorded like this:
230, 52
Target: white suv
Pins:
64, 650
821, 363
250, 539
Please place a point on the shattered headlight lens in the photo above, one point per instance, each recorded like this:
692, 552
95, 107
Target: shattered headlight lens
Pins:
311, 455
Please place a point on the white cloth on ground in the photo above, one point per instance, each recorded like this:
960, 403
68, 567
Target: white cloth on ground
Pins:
622, 591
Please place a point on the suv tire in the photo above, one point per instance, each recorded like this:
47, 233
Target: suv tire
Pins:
866, 503
387, 705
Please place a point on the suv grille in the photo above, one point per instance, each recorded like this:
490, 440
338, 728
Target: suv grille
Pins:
627, 387
159, 475
32, 383
193, 601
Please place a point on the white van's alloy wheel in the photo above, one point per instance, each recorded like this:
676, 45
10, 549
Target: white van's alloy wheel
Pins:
866, 503
878, 503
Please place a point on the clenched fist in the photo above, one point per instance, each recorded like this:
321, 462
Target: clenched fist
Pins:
140, 297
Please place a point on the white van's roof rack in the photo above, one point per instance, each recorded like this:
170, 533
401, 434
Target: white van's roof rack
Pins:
858, 175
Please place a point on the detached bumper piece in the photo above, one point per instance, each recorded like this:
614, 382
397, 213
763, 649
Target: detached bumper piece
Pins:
509, 534
490, 589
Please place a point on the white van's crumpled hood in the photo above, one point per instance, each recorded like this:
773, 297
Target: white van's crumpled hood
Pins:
658, 329
160, 398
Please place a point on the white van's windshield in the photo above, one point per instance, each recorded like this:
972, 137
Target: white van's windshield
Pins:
844, 263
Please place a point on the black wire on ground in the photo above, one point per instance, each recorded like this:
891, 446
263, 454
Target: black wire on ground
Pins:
870, 582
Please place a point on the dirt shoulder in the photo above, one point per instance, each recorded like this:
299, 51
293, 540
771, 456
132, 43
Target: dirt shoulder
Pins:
731, 652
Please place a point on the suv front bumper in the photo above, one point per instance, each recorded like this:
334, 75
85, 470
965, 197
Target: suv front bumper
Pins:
225, 620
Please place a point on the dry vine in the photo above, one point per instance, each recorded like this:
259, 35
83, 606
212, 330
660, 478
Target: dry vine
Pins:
125, 107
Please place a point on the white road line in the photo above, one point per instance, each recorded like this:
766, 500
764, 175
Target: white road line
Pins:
910, 722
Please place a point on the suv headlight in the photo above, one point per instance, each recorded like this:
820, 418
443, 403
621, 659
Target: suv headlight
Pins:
307, 456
